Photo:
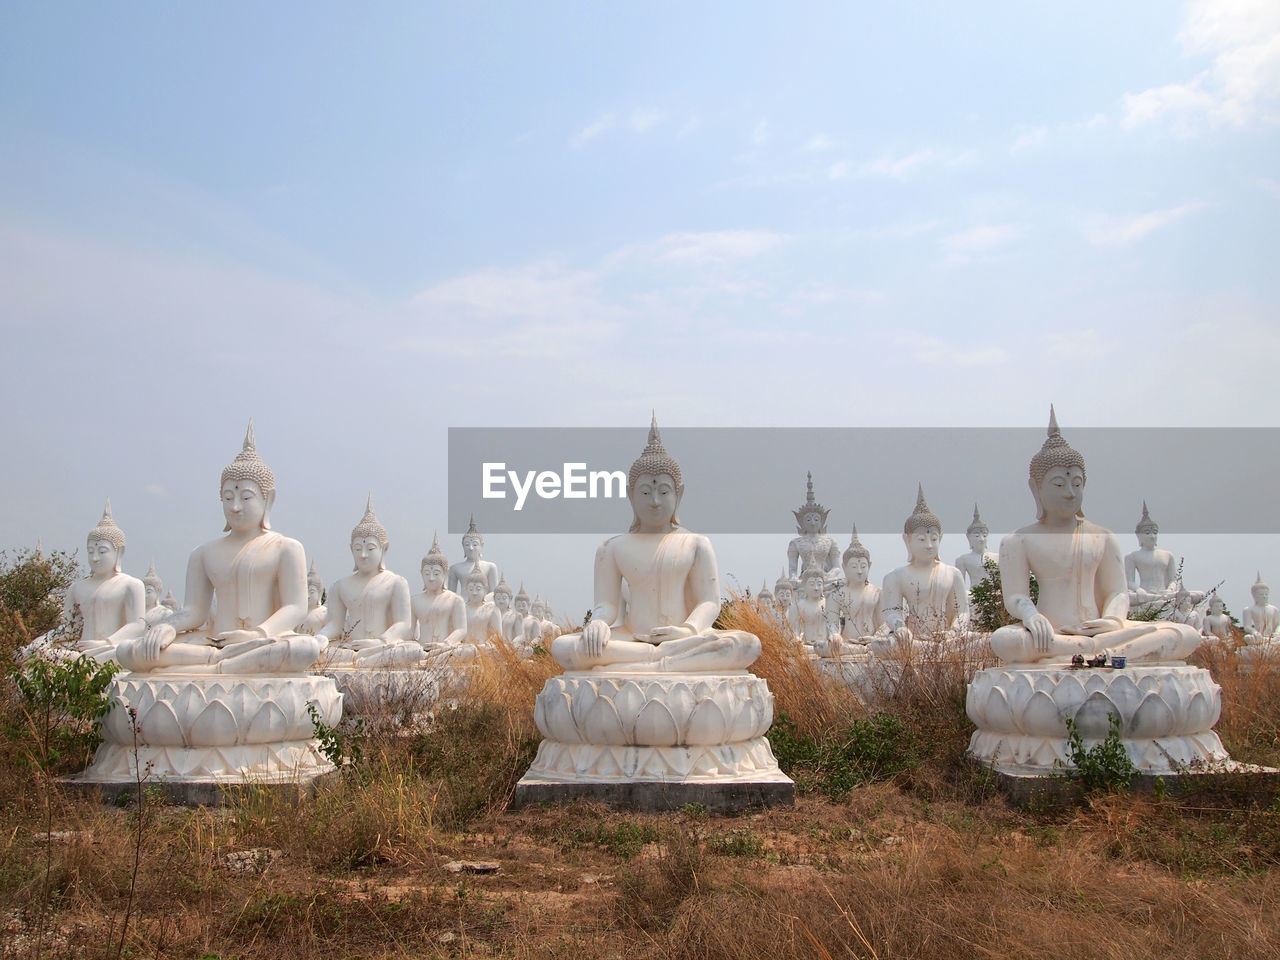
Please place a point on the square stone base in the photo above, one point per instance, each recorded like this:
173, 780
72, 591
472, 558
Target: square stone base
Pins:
198, 792
657, 796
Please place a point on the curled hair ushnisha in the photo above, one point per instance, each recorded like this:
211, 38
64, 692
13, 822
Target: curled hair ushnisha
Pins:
783, 582
977, 523
1259, 584
107, 529
1145, 522
313, 577
855, 549
369, 526
1055, 452
477, 575
523, 594
654, 461
435, 556
152, 579
503, 586
249, 466
921, 517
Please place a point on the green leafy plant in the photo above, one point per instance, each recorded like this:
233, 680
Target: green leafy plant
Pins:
32, 585
64, 702
1106, 765
986, 599
865, 751
343, 745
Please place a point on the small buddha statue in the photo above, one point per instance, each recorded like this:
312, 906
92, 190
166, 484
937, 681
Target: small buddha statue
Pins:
317, 612
926, 598
440, 617
784, 595
154, 587
473, 553
502, 599
370, 619
813, 547
674, 587
170, 600
855, 608
1149, 571
483, 623
546, 624
530, 626
811, 610
973, 563
252, 582
764, 599
1217, 625
111, 605
1084, 597
1184, 608
1261, 619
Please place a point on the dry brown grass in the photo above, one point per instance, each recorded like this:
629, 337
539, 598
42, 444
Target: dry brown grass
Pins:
1250, 723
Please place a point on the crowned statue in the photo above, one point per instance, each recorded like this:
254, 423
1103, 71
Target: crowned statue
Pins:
370, 620
439, 614
253, 581
473, 558
973, 564
813, 547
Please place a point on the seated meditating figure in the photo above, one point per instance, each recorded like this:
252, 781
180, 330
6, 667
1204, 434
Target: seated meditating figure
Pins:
1261, 620
154, 588
674, 588
811, 609
502, 598
110, 604
473, 553
253, 581
440, 616
1084, 598
1184, 608
317, 612
784, 595
546, 624
1217, 625
484, 622
973, 563
370, 621
530, 626
170, 600
1149, 571
925, 603
854, 609
813, 546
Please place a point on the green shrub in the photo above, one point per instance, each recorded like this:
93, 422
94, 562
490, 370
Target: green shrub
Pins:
834, 762
986, 600
1106, 765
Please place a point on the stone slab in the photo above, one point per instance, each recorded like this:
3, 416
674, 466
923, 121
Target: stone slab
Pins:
199, 792
651, 796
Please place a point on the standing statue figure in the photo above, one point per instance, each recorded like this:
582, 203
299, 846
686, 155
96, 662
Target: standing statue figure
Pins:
855, 613
370, 622
1261, 619
973, 563
784, 594
530, 629
440, 617
1084, 597
473, 552
674, 587
1149, 571
317, 612
511, 621
111, 605
253, 580
813, 547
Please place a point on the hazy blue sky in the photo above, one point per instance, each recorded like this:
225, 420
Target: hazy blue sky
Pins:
364, 224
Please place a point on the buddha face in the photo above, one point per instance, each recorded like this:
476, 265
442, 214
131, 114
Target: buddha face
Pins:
922, 545
314, 593
812, 522
812, 586
471, 547
1060, 496
244, 506
1261, 594
502, 600
152, 595
977, 539
1147, 537
476, 590
654, 501
783, 596
522, 606
1216, 606
539, 610
433, 577
103, 557
856, 571
367, 552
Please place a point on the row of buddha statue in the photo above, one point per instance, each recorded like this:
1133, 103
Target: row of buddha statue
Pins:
369, 620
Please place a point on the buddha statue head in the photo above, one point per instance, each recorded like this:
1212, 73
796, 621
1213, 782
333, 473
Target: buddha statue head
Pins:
522, 602
105, 544
248, 489
1147, 529
655, 486
813, 583
783, 591
435, 568
977, 532
922, 532
1260, 592
1216, 605
1057, 476
369, 542
765, 596
315, 587
502, 594
856, 561
538, 608
472, 542
475, 585
811, 516
153, 586
170, 601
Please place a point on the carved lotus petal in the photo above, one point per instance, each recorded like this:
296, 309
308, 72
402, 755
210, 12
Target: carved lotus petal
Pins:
707, 724
1201, 713
142, 696
160, 727
996, 713
1153, 718
582, 697
655, 726
1041, 717
1069, 694
215, 726
559, 718
1124, 694
1094, 716
115, 725
268, 725
189, 702
680, 701
601, 723
629, 701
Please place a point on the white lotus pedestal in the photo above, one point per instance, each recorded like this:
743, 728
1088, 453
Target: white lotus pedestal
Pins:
1166, 714
399, 699
200, 735
652, 741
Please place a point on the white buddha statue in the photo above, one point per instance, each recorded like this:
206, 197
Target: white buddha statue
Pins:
1149, 571
370, 621
813, 546
784, 596
1084, 597
439, 615
764, 599
1217, 625
253, 580
170, 600
154, 590
530, 626
925, 603
546, 623
811, 610
1184, 608
1261, 619
483, 623
317, 612
473, 553
855, 608
674, 588
110, 605
502, 599
972, 564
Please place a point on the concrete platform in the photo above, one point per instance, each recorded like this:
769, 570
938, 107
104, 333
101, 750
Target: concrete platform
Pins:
197, 792
650, 796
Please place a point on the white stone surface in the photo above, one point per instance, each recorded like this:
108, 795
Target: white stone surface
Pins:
973, 563
1149, 571
473, 559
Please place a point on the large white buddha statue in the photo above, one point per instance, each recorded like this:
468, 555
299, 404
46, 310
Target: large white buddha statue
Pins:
925, 603
854, 609
1261, 619
674, 588
253, 581
813, 546
473, 557
1084, 598
973, 563
439, 614
370, 621
483, 623
1149, 571
317, 612
111, 605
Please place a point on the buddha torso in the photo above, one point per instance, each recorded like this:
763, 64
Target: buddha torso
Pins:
1261, 621
106, 605
459, 571
927, 594
438, 615
243, 575
856, 610
1151, 569
368, 601
813, 550
1066, 565
656, 568
482, 618
972, 565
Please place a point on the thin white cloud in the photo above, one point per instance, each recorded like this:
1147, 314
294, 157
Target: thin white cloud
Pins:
899, 168
966, 245
760, 134
838, 171
689, 127
644, 120
592, 130
1106, 230
1086, 344
929, 349
818, 143
716, 246
1030, 139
